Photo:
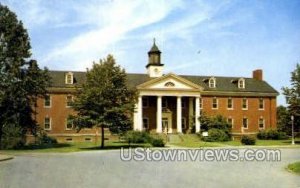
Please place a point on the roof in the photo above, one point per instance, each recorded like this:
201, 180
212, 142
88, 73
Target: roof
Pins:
154, 49
223, 84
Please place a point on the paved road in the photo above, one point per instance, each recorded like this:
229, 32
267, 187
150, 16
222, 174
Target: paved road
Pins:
105, 169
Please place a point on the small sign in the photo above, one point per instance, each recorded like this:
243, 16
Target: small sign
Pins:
205, 134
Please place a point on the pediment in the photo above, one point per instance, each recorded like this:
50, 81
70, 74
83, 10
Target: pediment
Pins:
170, 82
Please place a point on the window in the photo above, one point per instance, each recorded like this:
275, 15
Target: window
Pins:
245, 104
214, 103
212, 82
69, 125
164, 102
69, 100
47, 123
261, 123
201, 103
145, 123
241, 83
47, 101
183, 104
169, 84
261, 105
183, 123
69, 78
229, 103
145, 102
230, 121
245, 123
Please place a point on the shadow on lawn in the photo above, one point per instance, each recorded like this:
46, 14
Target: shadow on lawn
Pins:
42, 146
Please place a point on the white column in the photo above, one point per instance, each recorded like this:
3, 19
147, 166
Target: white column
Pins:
197, 114
140, 114
158, 115
179, 109
191, 111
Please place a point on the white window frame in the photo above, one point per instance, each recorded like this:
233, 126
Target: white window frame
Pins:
71, 78
217, 103
50, 101
241, 83
147, 119
247, 123
246, 108
263, 104
231, 108
232, 121
212, 82
263, 123
50, 123
67, 120
68, 106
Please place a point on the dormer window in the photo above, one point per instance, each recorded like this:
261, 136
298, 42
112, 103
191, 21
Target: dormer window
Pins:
69, 78
241, 83
212, 82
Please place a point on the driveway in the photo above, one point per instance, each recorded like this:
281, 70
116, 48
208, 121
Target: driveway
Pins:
106, 169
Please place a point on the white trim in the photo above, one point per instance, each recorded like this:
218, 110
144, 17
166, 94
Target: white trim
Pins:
159, 114
179, 115
263, 103
241, 83
247, 122
243, 103
197, 115
232, 121
263, 121
50, 123
67, 78
231, 103
67, 125
50, 101
217, 103
67, 106
212, 82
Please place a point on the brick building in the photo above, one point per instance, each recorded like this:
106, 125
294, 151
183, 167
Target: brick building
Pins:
168, 102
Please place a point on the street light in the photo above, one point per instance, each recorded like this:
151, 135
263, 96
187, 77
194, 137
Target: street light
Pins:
293, 139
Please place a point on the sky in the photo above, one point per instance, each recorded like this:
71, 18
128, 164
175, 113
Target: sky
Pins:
211, 37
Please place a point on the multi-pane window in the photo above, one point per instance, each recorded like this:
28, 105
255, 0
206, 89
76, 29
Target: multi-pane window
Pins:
183, 123
47, 123
245, 123
145, 123
261, 123
201, 103
145, 102
69, 124
69, 100
261, 103
230, 121
241, 83
69, 78
229, 103
212, 83
215, 103
47, 101
164, 102
244, 103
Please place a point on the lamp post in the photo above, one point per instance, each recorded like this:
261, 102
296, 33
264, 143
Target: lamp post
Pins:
293, 139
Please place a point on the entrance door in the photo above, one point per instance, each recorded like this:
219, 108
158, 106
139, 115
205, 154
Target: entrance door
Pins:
165, 125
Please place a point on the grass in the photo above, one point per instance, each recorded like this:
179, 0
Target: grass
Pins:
294, 167
193, 141
72, 147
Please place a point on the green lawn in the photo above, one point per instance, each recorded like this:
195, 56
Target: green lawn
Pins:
294, 167
73, 147
193, 141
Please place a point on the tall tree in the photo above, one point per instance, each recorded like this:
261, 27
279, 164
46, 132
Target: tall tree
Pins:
283, 120
21, 80
105, 99
292, 94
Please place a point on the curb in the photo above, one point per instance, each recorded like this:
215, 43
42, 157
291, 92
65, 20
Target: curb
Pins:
5, 157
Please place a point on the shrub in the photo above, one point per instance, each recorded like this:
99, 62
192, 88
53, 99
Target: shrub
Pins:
44, 139
137, 137
216, 135
157, 142
248, 140
271, 134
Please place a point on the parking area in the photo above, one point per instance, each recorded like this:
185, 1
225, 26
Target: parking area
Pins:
106, 169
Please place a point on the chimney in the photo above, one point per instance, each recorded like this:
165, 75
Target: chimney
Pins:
258, 74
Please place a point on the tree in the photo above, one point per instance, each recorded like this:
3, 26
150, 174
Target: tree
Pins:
104, 99
21, 80
292, 94
283, 120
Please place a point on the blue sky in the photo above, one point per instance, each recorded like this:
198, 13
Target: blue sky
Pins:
233, 37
